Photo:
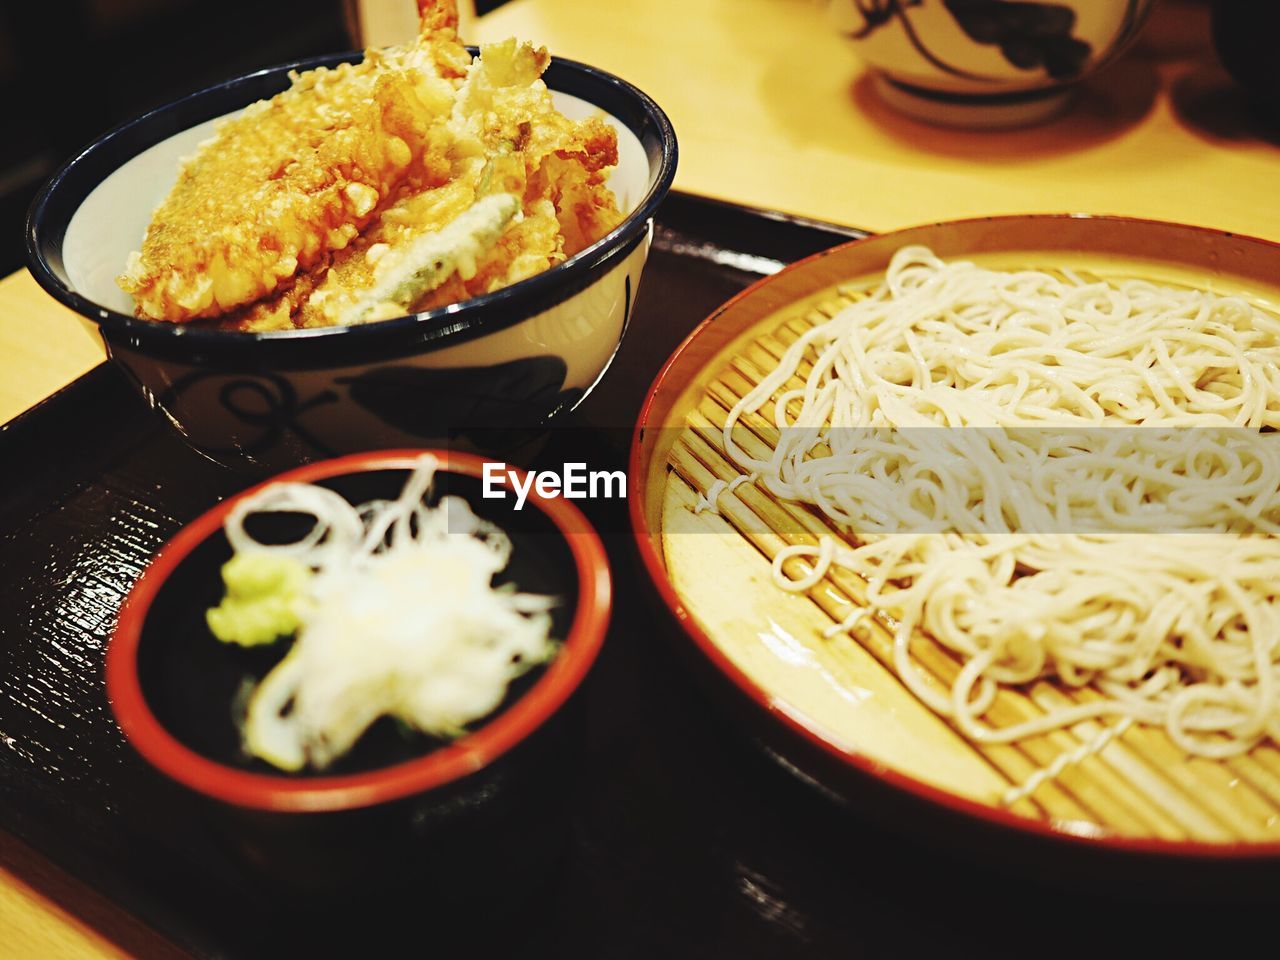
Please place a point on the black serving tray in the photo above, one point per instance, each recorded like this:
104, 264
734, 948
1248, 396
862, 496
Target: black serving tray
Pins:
684, 840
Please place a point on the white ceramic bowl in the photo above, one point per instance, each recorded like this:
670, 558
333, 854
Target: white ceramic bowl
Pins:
514, 359
985, 63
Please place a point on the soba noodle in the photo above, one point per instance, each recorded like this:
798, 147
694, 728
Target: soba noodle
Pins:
1016, 551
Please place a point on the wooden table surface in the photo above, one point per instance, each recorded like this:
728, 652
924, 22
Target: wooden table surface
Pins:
772, 109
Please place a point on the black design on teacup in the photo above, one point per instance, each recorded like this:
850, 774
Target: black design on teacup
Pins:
1030, 35
876, 13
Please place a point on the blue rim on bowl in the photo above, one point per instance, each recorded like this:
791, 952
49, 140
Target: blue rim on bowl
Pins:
66, 190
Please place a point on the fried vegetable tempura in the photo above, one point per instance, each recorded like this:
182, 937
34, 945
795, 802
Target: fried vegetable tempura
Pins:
412, 180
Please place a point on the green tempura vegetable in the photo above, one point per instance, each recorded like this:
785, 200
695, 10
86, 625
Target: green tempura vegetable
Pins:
434, 257
263, 601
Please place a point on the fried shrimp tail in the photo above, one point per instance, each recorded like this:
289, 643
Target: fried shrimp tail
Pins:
437, 15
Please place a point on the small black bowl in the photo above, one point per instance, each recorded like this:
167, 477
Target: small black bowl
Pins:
458, 813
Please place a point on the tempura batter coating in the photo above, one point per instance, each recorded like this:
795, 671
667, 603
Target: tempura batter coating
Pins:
412, 180
290, 180
503, 135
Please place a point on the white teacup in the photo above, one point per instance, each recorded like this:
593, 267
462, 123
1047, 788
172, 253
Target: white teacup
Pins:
985, 63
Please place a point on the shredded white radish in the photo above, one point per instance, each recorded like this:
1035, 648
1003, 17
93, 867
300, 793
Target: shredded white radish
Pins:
400, 619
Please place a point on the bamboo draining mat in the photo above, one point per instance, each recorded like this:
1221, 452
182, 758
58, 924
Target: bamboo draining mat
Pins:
1140, 785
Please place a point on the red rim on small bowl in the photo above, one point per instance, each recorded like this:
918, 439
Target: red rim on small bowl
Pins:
863, 764
453, 762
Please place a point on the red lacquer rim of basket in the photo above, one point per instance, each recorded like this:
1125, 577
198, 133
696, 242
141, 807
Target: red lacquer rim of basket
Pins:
467, 755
